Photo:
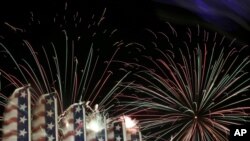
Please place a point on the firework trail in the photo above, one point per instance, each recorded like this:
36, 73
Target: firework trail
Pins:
64, 68
192, 88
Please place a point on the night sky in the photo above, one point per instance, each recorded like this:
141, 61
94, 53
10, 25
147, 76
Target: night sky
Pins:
130, 17
125, 14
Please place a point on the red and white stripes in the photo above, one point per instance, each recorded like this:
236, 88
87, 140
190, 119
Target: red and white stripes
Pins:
17, 116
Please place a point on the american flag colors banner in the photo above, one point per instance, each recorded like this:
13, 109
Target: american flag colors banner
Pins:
133, 136
97, 136
72, 123
117, 131
24, 122
102, 135
17, 116
44, 122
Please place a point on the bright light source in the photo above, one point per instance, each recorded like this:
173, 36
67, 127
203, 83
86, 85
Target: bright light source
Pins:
129, 123
95, 123
67, 124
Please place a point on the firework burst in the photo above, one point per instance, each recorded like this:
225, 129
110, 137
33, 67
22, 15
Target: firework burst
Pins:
191, 90
74, 74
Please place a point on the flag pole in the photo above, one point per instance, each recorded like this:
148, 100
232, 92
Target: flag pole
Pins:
29, 111
84, 121
124, 130
105, 129
56, 116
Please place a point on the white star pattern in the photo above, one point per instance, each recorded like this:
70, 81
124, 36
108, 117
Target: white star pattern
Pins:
118, 128
78, 109
78, 120
49, 113
51, 138
23, 119
50, 126
118, 138
78, 132
23, 107
49, 101
22, 132
23, 94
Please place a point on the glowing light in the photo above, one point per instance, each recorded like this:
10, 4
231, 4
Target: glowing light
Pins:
129, 122
96, 123
67, 124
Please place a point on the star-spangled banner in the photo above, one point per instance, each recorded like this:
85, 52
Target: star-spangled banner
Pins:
134, 136
117, 131
44, 122
17, 125
97, 136
102, 135
17, 116
72, 124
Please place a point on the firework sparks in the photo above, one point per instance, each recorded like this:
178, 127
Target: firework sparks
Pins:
193, 91
63, 70
130, 124
61, 67
95, 121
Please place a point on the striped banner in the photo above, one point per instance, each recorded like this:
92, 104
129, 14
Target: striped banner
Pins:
117, 131
134, 136
17, 116
44, 122
97, 136
72, 123
41, 124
